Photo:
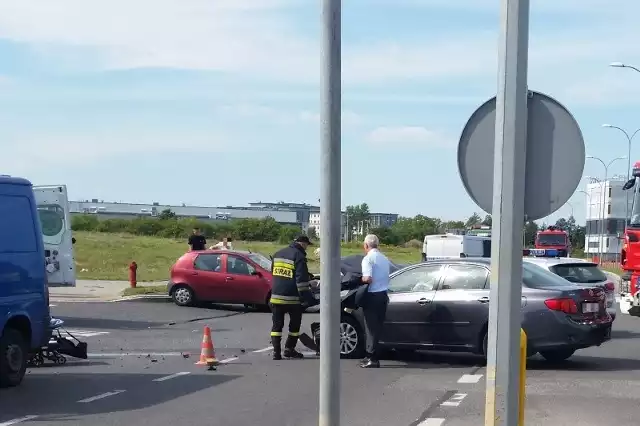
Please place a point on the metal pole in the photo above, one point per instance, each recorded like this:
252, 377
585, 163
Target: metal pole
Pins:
331, 111
604, 204
626, 206
586, 228
503, 364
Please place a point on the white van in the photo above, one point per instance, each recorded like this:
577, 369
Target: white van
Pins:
444, 246
55, 219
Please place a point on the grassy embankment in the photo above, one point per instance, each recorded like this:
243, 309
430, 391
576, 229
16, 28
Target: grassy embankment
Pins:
105, 256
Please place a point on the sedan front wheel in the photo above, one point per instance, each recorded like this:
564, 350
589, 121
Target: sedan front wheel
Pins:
352, 338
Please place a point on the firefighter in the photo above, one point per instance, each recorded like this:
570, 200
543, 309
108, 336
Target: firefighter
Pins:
290, 289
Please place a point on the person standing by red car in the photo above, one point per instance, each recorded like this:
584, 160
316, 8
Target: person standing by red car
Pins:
197, 241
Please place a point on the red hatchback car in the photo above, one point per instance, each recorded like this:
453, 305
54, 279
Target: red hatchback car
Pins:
223, 276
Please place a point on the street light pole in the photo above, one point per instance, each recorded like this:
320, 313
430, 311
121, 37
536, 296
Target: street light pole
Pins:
604, 198
629, 140
586, 228
571, 207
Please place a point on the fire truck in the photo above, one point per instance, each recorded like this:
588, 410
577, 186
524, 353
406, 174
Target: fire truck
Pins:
630, 253
554, 239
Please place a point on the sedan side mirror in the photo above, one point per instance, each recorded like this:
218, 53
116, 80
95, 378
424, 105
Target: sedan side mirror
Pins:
256, 273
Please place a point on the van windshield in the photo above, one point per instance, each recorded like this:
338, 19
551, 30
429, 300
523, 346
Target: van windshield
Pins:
552, 239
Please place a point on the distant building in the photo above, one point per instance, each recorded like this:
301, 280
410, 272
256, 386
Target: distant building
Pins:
605, 207
303, 210
131, 210
304, 215
349, 229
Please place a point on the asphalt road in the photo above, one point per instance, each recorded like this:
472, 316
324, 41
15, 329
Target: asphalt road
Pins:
141, 371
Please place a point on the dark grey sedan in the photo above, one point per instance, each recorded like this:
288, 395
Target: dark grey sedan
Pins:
444, 305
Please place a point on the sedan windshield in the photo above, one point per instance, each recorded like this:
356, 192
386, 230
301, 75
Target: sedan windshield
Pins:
262, 261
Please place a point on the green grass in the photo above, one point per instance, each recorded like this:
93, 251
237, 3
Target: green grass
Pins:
149, 289
104, 256
614, 269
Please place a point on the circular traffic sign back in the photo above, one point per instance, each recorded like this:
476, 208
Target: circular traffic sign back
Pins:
555, 156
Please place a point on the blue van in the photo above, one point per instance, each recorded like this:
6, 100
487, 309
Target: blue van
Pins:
24, 295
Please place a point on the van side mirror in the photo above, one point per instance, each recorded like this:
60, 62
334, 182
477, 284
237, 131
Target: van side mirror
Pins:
73, 240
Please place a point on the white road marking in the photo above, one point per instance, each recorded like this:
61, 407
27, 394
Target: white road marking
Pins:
227, 360
432, 421
308, 353
101, 396
263, 350
139, 354
470, 378
51, 306
86, 333
455, 400
19, 420
172, 376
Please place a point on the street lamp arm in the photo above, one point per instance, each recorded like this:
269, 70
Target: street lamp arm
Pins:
598, 159
633, 135
629, 138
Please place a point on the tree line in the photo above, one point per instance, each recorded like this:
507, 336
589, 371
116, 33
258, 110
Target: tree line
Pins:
406, 231
414, 229
167, 225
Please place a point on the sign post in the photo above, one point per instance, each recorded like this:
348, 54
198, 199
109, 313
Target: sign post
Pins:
538, 155
502, 401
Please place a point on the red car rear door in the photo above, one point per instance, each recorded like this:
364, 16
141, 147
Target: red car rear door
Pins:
208, 279
244, 283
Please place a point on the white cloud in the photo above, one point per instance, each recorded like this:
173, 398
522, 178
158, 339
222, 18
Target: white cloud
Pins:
261, 39
31, 150
413, 136
223, 35
283, 116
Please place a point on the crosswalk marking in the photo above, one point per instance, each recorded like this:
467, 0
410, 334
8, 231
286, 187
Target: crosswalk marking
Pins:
86, 333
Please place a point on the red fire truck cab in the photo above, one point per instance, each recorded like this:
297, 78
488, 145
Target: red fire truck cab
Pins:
555, 239
630, 253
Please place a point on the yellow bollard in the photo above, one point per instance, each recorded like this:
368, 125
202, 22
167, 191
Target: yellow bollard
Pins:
523, 376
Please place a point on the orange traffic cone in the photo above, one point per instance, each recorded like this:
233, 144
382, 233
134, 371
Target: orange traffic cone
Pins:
207, 353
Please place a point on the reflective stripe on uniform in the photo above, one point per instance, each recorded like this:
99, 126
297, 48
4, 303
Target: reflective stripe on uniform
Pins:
283, 268
303, 286
283, 297
294, 334
276, 334
281, 301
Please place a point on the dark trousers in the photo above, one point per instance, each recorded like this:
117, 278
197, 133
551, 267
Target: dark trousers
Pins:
374, 308
278, 313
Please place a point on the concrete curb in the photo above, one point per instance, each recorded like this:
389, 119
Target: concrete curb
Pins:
144, 297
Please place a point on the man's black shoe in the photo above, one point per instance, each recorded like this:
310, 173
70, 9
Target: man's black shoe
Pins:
292, 353
370, 364
277, 357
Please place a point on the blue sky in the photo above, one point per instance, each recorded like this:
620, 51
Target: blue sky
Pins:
197, 101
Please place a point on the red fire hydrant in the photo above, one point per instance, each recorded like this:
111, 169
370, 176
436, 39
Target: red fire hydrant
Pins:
133, 274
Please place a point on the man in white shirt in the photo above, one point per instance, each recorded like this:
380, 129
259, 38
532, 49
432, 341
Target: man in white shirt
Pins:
225, 244
375, 273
